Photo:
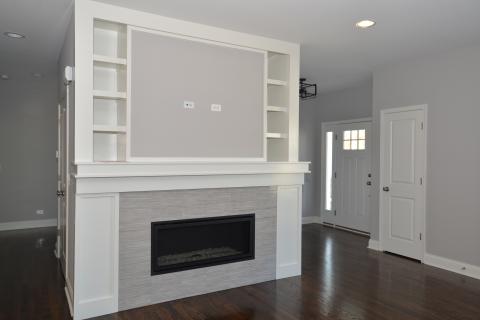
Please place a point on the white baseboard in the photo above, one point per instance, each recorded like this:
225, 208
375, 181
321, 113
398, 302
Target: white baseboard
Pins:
374, 245
311, 219
29, 224
452, 265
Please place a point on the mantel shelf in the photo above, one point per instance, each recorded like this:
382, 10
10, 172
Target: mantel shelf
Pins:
109, 94
109, 129
277, 109
107, 59
274, 135
275, 82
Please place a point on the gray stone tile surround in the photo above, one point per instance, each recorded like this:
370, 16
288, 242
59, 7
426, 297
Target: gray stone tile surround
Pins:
138, 209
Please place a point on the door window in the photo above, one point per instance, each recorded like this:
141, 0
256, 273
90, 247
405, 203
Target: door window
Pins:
354, 139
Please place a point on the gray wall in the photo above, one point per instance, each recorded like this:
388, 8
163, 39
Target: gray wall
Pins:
450, 84
351, 103
28, 140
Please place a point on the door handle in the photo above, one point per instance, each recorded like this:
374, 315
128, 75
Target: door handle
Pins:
369, 183
60, 193
386, 189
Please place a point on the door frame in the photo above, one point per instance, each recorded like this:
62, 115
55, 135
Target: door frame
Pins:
324, 126
383, 112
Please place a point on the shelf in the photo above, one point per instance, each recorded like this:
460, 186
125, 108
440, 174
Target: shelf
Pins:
109, 129
272, 135
275, 82
107, 59
276, 109
109, 94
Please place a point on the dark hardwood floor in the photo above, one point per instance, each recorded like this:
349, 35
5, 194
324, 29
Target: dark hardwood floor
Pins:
341, 280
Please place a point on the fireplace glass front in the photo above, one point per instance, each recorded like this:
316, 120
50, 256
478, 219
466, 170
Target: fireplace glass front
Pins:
194, 243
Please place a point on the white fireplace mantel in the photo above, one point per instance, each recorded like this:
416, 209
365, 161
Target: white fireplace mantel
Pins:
130, 177
99, 187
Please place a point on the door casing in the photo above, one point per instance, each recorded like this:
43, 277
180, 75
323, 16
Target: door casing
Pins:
382, 182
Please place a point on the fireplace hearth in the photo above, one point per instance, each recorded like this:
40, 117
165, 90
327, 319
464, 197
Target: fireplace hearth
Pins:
194, 243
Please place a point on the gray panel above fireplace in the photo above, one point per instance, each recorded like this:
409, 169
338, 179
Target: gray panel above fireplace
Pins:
138, 209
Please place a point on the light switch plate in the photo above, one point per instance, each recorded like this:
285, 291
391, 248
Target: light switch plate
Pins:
216, 107
189, 104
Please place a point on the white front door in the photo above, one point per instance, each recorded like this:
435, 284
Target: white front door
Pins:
347, 175
402, 198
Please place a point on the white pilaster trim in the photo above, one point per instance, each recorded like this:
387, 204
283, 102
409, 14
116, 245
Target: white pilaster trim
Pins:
28, 224
452, 265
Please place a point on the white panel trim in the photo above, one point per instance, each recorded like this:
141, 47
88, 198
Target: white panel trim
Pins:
452, 265
97, 305
290, 268
28, 224
374, 245
311, 219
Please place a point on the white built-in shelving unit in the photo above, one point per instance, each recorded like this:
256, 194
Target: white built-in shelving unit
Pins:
110, 97
109, 91
277, 108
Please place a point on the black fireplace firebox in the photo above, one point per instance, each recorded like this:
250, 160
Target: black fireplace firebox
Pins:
194, 243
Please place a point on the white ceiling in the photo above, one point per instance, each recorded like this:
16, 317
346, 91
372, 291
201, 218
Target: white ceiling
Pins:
44, 24
335, 54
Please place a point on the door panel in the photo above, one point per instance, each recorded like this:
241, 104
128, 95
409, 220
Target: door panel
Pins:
402, 194
403, 153
402, 215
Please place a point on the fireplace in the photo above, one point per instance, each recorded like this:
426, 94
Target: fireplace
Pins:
194, 243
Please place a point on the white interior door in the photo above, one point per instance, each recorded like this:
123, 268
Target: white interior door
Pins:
402, 199
62, 182
347, 175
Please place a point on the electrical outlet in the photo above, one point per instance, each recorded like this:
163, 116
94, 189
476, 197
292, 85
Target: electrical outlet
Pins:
216, 107
40, 211
189, 104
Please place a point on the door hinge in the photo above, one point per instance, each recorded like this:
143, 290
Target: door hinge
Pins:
334, 212
420, 236
421, 125
336, 136
335, 175
57, 154
421, 181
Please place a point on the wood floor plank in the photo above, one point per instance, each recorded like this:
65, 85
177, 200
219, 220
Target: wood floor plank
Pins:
341, 279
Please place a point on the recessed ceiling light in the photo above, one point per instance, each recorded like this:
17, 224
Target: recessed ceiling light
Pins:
364, 24
14, 35
37, 75
5, 77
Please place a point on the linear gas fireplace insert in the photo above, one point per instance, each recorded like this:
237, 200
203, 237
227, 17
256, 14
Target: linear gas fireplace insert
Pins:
194, 243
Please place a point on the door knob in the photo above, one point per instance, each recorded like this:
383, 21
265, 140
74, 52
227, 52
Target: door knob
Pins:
369, 183
60, 193
386, 189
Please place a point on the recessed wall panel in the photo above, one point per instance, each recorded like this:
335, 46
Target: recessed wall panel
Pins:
168, 71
